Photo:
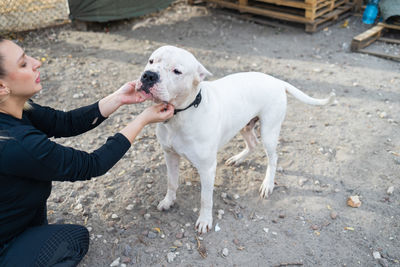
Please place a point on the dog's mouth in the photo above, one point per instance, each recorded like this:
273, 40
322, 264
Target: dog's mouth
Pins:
146, 94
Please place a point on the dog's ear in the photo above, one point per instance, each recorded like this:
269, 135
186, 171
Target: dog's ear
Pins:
203, 72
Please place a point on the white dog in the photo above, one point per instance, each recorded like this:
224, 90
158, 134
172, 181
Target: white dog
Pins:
209, 114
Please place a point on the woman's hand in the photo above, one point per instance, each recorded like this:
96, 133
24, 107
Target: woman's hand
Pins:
129, 95
157, 113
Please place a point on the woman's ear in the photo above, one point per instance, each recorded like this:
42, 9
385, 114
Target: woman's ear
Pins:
4, 90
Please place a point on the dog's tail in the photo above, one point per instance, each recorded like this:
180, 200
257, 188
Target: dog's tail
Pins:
308, 99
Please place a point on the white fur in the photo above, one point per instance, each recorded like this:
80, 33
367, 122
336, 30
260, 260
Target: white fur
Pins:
227, 106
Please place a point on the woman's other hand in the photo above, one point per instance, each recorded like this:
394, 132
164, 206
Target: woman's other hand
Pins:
128, 94
157, 113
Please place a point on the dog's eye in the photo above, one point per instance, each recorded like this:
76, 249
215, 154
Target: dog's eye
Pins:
177, 72
151, 61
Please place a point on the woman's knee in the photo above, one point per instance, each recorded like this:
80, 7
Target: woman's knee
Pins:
67, 246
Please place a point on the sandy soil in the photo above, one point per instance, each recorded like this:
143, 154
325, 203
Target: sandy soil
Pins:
326, 154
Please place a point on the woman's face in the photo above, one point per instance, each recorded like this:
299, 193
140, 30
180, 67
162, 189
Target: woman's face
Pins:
22, 72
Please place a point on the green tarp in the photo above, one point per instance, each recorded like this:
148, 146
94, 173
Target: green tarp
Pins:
108, 10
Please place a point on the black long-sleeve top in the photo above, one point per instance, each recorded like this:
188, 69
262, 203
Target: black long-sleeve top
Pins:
29, 161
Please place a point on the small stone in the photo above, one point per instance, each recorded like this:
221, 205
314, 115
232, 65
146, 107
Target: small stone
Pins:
114, 216
314, 227
179, 235
266, 230
281, 216
236, 241
178, 243
354, 201
110, 229
126, 260
302, 181
220, 213
171, 257
151, 235
225, 252
127, 250
147, 216
130, 207
224, 195
333, 215
382, 115
217, 228
376, 255
115, 262
236, 196
78, 207
390, 190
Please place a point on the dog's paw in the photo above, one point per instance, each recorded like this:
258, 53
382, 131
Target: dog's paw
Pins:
204, 224
266, 189
234, 161
165, 204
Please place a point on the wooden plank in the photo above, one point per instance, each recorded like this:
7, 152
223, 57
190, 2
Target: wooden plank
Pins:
378, 54
260, 11
330, 18
296, 4
366, 38
389, 40
389, 26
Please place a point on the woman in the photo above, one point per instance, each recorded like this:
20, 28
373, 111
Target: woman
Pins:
29, 160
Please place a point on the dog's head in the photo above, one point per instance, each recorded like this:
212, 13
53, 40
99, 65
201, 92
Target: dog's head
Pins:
172, 75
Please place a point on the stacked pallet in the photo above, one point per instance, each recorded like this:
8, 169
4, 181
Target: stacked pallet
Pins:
314, 14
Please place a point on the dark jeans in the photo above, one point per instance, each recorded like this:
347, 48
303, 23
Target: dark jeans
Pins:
58, 245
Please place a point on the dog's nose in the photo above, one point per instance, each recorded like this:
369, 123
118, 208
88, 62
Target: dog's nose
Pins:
149, 78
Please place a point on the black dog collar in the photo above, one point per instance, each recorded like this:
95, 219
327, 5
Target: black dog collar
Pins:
195, 103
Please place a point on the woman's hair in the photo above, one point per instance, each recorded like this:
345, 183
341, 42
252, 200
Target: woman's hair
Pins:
2, 70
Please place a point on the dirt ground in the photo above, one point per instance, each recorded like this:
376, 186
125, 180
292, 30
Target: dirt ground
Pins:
326, 154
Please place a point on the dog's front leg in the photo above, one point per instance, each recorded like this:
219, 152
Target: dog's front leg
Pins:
172, 161
207, 177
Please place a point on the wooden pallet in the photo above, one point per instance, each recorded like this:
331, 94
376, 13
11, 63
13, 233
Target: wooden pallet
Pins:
312, 13
376, 33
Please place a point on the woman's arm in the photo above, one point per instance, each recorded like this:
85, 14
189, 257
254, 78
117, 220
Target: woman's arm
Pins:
56, 123
30, 154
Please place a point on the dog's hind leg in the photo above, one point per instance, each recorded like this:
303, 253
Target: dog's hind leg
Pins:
172, 161
251, 141
270, 140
